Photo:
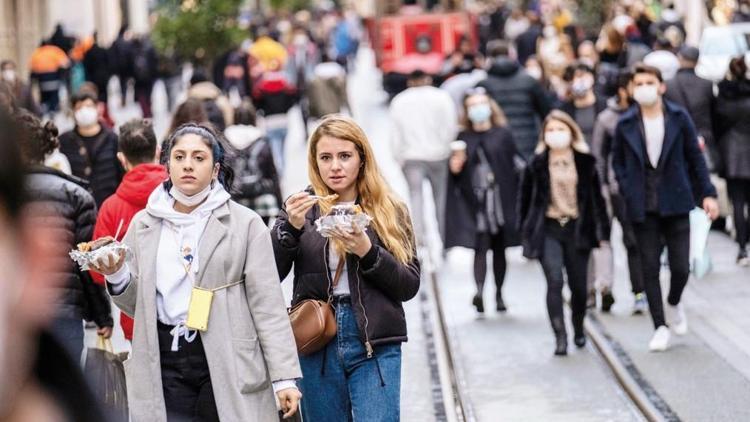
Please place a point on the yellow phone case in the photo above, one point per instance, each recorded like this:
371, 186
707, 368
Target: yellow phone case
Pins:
199, 309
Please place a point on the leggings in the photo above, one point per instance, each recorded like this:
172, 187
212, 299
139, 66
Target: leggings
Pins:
739, 192
484, 243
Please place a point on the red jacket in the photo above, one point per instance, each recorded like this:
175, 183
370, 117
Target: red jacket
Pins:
131, 196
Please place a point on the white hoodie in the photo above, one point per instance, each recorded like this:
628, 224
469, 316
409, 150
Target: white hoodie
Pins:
180, 235
426, 122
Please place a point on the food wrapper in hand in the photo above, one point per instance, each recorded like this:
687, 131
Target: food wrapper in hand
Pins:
342, 217
85, 259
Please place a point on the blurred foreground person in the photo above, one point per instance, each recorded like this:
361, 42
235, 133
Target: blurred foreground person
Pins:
483, 190
68, 200
563, 217
364, 274
40, 382
212, 340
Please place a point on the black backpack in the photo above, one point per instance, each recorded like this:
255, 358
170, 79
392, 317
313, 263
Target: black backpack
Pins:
250, 182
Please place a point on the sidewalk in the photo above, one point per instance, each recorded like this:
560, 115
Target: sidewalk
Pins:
705, 376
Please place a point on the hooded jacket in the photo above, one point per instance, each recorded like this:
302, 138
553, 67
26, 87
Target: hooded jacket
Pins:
131, 196
522, 99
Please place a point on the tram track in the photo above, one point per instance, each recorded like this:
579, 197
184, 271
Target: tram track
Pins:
456, 398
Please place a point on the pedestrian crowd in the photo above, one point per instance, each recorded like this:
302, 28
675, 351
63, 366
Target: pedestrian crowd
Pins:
539, 135
558, 132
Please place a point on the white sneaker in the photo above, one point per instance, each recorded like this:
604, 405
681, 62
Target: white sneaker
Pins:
678, 320
660, 341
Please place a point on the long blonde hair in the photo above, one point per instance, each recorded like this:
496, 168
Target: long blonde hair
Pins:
578, 142
391, 220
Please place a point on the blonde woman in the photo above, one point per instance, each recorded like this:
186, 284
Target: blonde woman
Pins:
563, 217
358, 374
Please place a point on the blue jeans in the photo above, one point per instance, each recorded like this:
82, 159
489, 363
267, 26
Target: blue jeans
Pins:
341, 384
276, 138
69, 332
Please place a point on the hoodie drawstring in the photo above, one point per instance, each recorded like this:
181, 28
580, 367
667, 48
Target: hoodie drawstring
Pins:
181, 330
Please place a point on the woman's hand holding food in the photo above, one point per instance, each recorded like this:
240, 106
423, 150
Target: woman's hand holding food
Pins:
354, 240
297, 207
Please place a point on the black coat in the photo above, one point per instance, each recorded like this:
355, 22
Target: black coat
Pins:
685, 181
70, 213
592, 225
461, 205
97, 67
526, 43
99, 156
696, 95
733, 109
378, 282
522, 99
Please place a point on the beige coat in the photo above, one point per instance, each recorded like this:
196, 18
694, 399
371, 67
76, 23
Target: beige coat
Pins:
249, 341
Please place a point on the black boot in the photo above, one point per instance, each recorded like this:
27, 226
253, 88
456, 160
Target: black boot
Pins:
579, 338
478, 303
561, 337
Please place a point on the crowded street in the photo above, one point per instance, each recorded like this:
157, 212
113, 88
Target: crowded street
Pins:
540, 222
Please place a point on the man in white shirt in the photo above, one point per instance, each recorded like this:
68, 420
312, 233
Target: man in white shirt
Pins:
425, 122
662, 176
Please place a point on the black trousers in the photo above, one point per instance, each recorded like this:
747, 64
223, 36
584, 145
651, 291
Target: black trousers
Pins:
486, 242
631, 245
739, 192
561, 253
186, 380
653, 234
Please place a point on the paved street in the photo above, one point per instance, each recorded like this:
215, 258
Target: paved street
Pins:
507, 359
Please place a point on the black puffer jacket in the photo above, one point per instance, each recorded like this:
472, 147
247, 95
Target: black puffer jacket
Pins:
94, 159
70, 213
378, 282
522, 99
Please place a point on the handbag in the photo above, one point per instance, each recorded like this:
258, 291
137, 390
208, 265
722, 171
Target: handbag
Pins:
313, 320
105, 371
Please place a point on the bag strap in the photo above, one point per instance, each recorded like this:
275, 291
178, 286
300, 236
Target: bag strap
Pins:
339, 271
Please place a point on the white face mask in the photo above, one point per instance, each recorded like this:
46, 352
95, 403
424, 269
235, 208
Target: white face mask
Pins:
87, 116
646, 95
9, 75
557, 139
194, 200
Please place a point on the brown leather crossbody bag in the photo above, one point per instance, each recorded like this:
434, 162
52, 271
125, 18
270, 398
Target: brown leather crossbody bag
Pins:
313, 321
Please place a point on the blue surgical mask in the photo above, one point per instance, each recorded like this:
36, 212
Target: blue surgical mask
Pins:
479, 113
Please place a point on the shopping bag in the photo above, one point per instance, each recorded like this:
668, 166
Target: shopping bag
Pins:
105, 372
700, 226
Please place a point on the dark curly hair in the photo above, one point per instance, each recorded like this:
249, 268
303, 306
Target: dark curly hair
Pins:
213, 139
40, 139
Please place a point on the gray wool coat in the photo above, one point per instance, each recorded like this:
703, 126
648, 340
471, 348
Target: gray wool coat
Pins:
249, 341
